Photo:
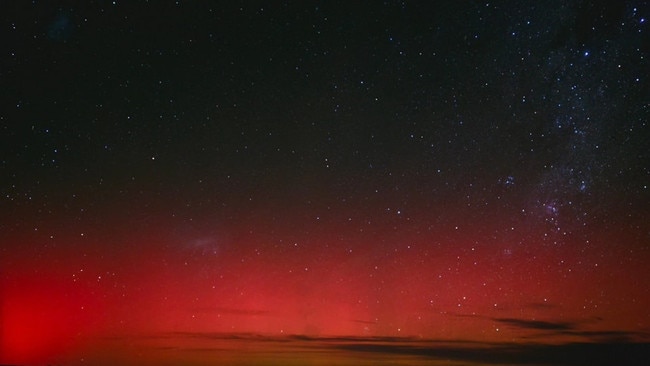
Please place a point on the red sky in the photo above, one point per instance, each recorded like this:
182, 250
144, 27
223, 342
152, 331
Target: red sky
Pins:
325, 279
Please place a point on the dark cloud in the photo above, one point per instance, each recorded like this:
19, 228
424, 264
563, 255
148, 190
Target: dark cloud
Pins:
573, 354
525, 323
545, 329
619, 351
607, 336
613, 336
536, 324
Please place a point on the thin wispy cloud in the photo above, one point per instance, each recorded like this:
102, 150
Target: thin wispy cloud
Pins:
361, 321
231, 311
542, 306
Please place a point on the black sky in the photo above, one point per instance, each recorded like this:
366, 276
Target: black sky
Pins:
552, 95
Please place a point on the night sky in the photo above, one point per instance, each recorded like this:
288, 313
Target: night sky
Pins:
243, 181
